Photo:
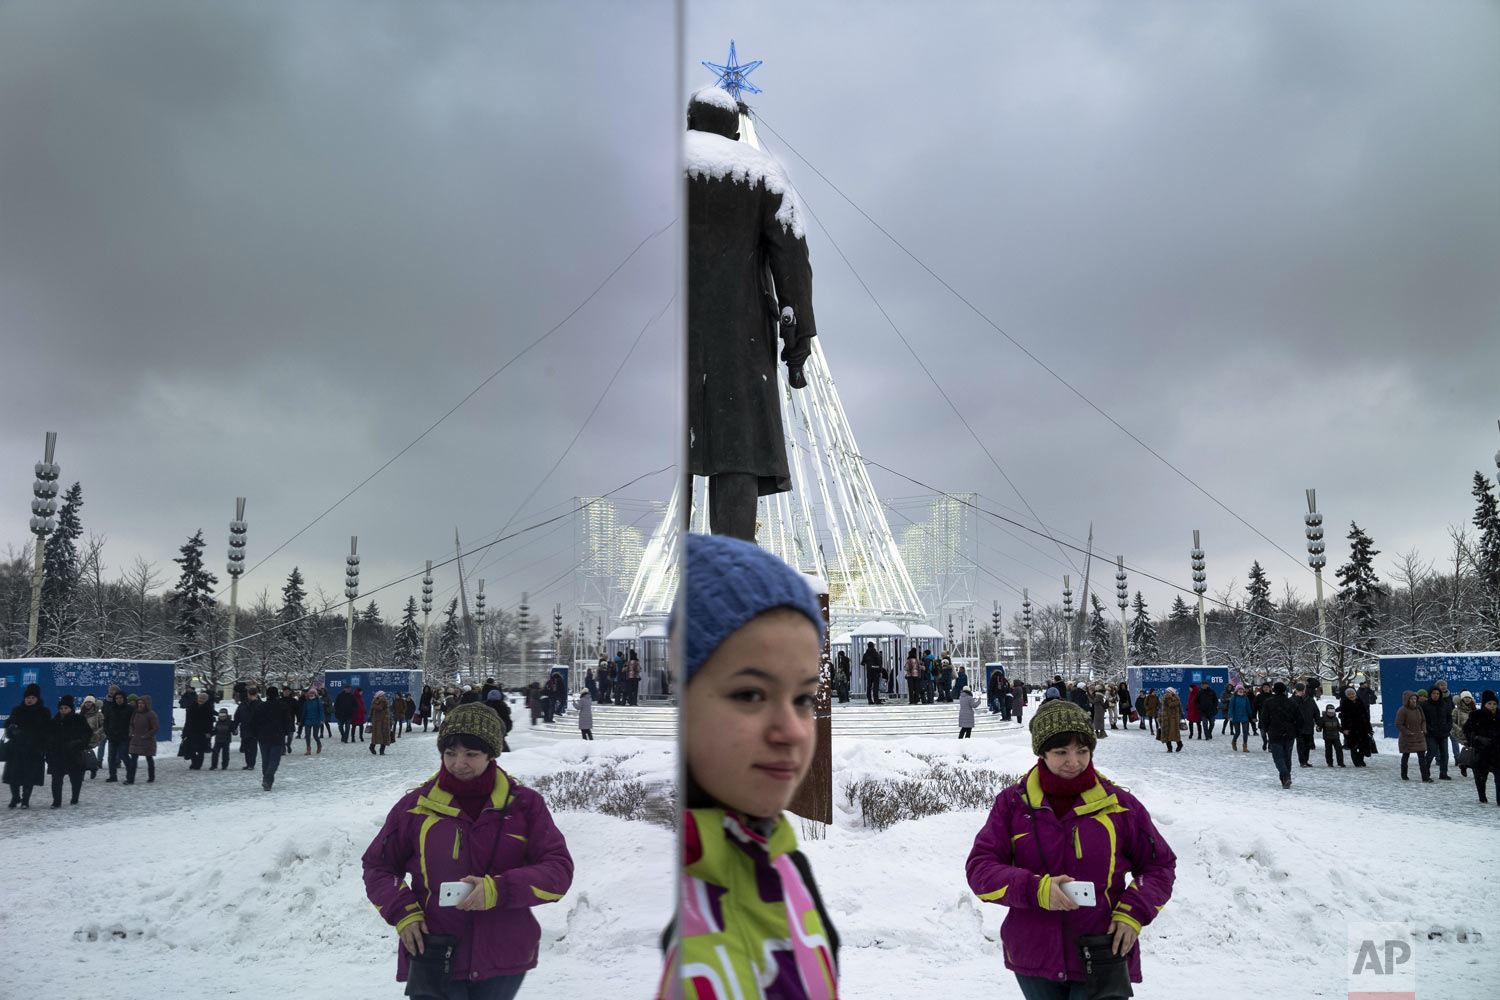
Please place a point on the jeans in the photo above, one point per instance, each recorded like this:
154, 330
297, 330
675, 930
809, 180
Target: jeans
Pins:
496, 988
1437, 748
995, 707
1281, 753
1239, 729
118, 750
1037, 988
270, 760
312, 733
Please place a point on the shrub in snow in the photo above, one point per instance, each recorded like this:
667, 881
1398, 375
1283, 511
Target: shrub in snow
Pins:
602, 788
945, 786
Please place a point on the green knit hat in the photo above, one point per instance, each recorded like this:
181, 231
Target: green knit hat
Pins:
478, 721
1056, 717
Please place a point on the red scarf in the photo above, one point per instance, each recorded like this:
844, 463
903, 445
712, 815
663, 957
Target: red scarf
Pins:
1061, 793
472, 795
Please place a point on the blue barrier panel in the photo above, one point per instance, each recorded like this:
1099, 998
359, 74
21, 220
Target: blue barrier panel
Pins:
84, 677
1472, 672
1180, 677
370, 681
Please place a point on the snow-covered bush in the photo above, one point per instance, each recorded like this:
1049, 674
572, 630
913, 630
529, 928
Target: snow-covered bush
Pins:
602, 788
945, 786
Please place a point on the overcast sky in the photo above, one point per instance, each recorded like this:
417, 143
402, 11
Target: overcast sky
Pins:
1263, 236
254, 249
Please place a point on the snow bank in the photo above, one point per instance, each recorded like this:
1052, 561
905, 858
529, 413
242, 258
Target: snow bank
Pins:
715, 96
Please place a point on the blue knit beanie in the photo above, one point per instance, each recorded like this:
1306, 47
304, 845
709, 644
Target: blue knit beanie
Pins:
729, 582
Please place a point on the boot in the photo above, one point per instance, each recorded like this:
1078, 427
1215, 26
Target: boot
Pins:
1234, 744
320, 748
1246, 747
307, 752
372, 749
1286, 782
382, 750
1179, 746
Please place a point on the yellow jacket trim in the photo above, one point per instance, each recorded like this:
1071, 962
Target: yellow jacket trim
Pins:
546, 896
407, 921
1127, 919
1044, 892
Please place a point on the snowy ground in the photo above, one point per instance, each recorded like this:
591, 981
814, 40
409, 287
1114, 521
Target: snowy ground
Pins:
1267, 879
203, 885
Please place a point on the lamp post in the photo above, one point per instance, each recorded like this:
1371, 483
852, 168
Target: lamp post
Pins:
478, 658
1200, 587
1068, 616
995, 627
351, 591
1122, 598
1026, 624
237, 531
1317, 560
557, 638
949, 650
523, 623
973, 647
426, 614
43, 507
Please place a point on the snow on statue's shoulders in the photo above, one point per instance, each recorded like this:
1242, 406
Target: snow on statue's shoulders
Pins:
717, 157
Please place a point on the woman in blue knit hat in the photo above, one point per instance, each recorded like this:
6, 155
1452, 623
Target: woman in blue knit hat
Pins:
751, 921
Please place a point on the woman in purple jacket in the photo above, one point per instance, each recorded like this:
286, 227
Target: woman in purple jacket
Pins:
1065, 823
472, 823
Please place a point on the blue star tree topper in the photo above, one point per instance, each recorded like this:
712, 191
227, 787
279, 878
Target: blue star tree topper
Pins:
733, 76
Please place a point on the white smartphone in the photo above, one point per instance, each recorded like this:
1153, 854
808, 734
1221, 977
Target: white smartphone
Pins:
453, 893
1081, 893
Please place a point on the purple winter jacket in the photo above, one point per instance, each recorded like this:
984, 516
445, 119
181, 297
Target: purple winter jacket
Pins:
428, 837
1023, 844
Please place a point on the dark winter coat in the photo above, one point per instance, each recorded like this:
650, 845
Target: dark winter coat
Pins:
1208, 703
223, 730
993, 688
1307, 714
143, 726
1439, 715
1152, 705
272, 722
343, 706
245, 720
1098, 709
312, 712
1239, 708
1354, 719
117, 720
1411, 725
380, 723
1366, 694
1331, 725
67, 737
1279, 718
741, 220
26, 732
198, 727
1482, 732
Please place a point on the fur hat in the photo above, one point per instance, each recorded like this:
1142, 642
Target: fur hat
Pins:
1486, 697
1059, 718
66, 699
478, 722
1279, 688
32, 691
729, 582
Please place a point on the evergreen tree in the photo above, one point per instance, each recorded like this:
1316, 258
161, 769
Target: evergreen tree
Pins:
1101, 650
1180, 612
1143, 633
450, 641
60, 572
1260, 607
1361, 588
293, 626
193, 597
1487, 555
407, 654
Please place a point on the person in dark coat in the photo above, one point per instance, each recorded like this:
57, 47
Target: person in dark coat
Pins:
359, 714
1261, 699
749, 281
992, 695
343, 710
198, 731
144, 725
424, 705
1438, 711
223, 737
1354, 726
274, 725
841, 676
1411, 729
871, 661
1307, 723
1482, 733
67, 738
1018, 700
1281, 720
1329, 721
1208, 709
26, 750
244, 723
116, 731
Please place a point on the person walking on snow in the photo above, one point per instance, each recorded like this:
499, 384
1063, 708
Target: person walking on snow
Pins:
1208, 710
67, 742
312, 722
1437, 712
1279, 722
1411, 725
966, 714
586, 715
1194, 714
1354, 726
1169, 720
1482, 733
223, 735
1307, 723
1066, 823
1331, 725
117, 712
1237, 710
273, 726
871, 661
380, 723
144, 725
359, 714
1462, 709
